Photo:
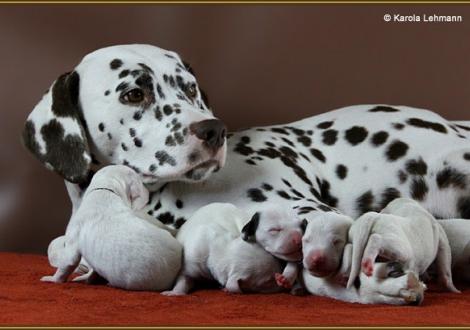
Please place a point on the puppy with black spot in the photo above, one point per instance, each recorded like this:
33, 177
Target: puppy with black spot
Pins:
388, 284
279, 231
404, 232
215, 250
127, 251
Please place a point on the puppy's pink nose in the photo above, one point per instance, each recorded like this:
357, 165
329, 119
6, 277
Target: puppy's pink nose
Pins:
317, 259
297, 239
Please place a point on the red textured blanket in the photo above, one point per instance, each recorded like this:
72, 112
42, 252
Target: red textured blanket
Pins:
24, 300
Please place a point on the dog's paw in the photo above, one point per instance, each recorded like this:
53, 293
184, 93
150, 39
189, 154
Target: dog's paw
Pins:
172, 293
282, 281
50, 279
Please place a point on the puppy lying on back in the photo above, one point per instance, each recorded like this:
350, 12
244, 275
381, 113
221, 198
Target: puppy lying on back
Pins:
388, 284
214, 250
458, 233
403, 232
127, 251
279, 232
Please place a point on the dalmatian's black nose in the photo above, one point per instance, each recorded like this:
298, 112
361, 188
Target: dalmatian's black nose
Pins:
212, 131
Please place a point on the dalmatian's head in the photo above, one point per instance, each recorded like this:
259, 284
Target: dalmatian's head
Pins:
135, 105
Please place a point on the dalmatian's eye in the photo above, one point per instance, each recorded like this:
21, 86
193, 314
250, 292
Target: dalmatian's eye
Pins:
396, 270
191, 91
135, 95
274, 231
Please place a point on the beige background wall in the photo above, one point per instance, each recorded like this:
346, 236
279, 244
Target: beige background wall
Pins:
259, 65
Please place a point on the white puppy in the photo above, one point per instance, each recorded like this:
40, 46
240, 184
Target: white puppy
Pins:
403, 232
279, 232
458, 233
215, 250
323, 243
127, 251
389, 284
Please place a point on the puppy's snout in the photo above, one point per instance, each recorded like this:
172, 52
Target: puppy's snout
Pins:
317, 260
297, 240
211, 131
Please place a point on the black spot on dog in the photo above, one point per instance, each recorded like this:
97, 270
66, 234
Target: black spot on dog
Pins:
330, 136
398, 126
107, 92
325, 195
249, 230
145, 67
270, 144
305, 210
389, 195
170, 141
132, 132
289, 142
283, 194
466, 156
137, 115
318, 155
418, 188
267, 187
179, 203
463, 207
325, 124
138, 142
287, 183
449, 176
115, 64
279, 130
179, 222
249, 161
288, 152
160, 92
382, 108
270, 153
157, 206
364, 202
124, 73
110, 137
417, 167
65, 96
101, 127
166, 217
242, 148
356, 135
305, 140
402, 176
379, 138
341, 171
396, 150
427, 124
324, 208
122, 86
465, 128
152, 168
164, 158
158, 114
297, 193
256, 195
167, 110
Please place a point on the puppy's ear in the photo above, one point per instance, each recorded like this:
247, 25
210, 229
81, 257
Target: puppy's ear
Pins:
138, 195
249, 230
303, 225
55, 131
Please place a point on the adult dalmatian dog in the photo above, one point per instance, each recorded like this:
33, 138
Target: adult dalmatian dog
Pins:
140, 106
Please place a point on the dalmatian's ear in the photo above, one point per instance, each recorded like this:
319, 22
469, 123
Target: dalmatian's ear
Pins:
55, 130
249, 230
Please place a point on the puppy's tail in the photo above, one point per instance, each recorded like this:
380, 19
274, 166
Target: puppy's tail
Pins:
359, 234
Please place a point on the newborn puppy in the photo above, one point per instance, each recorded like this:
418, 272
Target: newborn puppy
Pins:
129, 252
388, 284
279, 232
214, 250
458, 233
403, 232
323, 243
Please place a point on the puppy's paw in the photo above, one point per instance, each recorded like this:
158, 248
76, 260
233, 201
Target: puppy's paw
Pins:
50, 279
367, 267
282, 281
172, 293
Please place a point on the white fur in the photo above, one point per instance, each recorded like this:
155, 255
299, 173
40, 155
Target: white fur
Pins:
458, 233
214, 250
127, 251
403, 232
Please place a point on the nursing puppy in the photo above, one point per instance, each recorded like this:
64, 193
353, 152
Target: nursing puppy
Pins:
403, 232
215, 250
389, 284
458, 233
323, 243
129, 252
279, 232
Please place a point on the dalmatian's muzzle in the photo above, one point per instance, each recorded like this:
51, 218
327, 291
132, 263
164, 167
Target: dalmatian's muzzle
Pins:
136, 105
